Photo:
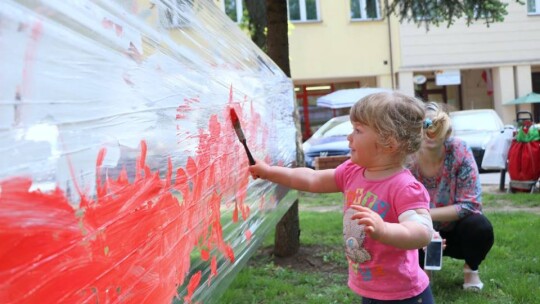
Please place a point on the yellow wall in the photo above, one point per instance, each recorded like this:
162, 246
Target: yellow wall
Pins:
336, 48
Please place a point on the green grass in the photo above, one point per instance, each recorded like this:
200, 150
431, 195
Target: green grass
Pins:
316, 199
511, 272
264, 282
517, 200
271, 284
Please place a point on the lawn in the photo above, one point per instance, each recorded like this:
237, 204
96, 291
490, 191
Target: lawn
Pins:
317, 274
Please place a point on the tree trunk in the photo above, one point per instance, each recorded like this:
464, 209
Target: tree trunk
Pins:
277, 39
287, 237
257, 22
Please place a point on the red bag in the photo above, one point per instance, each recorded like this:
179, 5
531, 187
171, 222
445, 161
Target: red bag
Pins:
524, 161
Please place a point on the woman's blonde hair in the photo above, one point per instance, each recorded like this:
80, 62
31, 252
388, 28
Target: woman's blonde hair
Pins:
393, 116
441, 124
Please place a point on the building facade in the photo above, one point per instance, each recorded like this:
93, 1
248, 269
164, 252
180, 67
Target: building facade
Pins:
495, 63
346, 44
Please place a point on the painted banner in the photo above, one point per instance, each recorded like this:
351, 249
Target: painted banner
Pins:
121, 176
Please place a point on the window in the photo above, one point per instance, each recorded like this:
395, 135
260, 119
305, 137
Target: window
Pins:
364, 9
533, 7
303, 10
234, 9
174, 14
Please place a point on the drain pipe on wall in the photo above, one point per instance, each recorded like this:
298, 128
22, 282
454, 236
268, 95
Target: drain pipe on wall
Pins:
390, 46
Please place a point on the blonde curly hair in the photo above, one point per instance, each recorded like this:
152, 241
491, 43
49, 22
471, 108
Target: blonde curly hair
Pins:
393, 116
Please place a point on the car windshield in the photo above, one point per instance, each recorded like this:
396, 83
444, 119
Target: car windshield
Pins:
341, 129
474, 122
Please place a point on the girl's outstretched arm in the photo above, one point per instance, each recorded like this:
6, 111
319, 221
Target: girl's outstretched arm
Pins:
404, 235
303, 179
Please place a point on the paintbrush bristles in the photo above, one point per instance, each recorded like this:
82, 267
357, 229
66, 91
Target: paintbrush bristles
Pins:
236, 126
239, 132
234, 117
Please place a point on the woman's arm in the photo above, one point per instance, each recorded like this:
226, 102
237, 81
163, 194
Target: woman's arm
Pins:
303, 179
444, 214
468, 192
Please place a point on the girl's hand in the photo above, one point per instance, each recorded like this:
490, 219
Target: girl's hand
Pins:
375, 226
259, 170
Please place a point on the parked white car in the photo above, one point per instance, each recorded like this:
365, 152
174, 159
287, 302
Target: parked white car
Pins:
476, 128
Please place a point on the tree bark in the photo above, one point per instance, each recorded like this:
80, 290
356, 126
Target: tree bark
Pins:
287, 237
257, 22
277, 38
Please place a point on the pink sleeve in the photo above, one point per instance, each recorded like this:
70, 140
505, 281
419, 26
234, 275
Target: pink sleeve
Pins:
413, 196
339, 174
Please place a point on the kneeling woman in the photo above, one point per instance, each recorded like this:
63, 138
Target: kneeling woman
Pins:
446, 167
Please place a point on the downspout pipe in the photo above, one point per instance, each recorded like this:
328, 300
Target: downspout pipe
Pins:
390, 46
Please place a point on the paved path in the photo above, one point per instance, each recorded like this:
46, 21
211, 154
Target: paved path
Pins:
493, 178
491, 182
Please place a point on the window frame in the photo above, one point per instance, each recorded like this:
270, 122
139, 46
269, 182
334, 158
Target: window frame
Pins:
363, 11
537, 8
239, 10
303, 12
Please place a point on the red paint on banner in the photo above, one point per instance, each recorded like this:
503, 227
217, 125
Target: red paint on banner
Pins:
133, 240
248, 234
193, 284
131, 243
111, 25
213, 266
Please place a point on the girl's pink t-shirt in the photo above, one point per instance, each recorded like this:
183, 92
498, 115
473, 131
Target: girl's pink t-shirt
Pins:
376, 270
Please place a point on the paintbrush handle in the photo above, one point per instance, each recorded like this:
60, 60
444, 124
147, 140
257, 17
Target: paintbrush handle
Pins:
251, 160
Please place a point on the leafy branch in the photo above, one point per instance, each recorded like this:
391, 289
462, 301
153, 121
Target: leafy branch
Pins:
437, 12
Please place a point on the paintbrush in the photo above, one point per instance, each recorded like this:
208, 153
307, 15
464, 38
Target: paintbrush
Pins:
240, 134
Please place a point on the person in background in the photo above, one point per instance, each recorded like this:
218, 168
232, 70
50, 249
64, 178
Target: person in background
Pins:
446, 167
386, 217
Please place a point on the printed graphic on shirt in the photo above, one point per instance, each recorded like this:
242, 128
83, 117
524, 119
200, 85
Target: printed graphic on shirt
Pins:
354, 236
367, 199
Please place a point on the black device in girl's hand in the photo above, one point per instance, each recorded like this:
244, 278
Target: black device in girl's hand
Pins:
433, 256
